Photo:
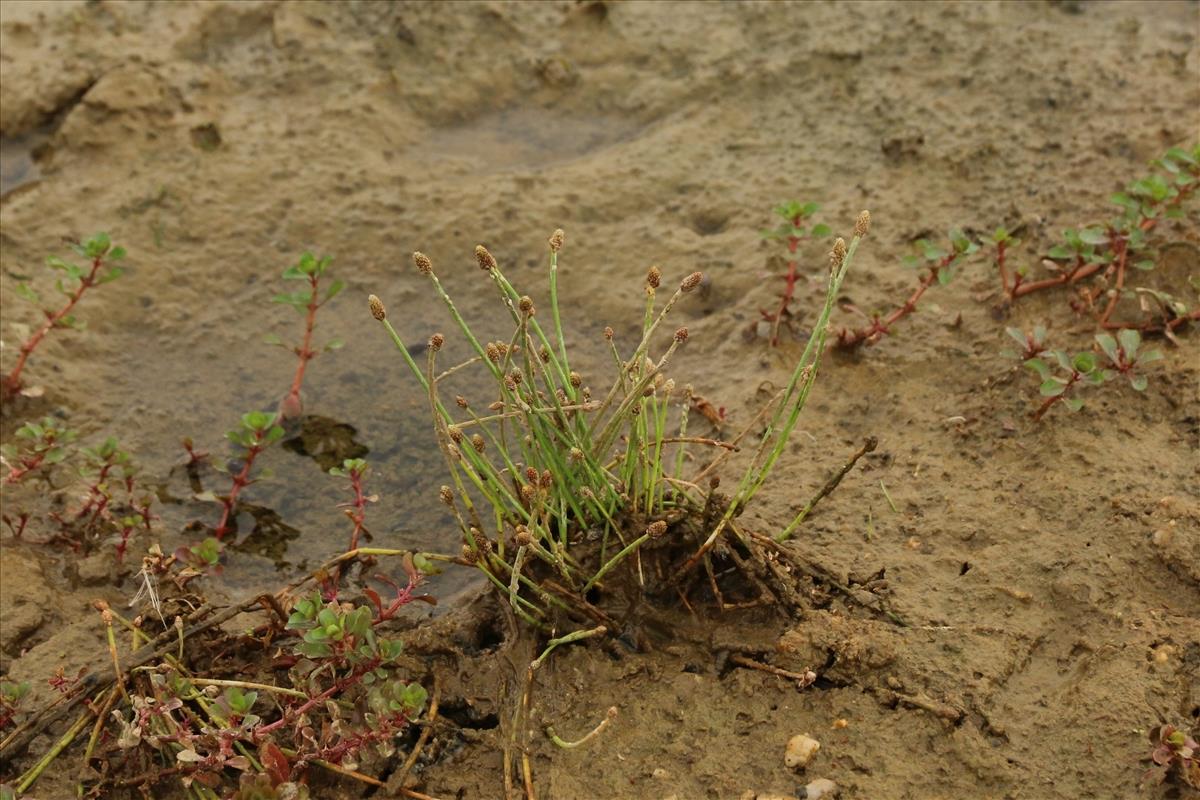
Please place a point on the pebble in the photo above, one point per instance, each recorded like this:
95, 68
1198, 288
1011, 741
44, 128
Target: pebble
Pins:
820, 788
800, 750
95, 569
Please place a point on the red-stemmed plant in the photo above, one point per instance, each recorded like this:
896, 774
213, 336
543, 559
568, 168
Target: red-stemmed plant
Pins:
940, 267
75, 282
792, 231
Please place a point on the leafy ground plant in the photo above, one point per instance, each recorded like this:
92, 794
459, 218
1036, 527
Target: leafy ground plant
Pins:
42, 444
102, 255
1101, 263
1064, 375
336, 696
111, 506
940, 265
562, 492
1175, 751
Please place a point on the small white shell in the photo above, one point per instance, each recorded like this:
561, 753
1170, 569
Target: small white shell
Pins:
800, 750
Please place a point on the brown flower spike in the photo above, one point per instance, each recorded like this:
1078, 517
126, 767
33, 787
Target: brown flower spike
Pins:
424, 265
486, 260
377, 309
863, 224
838, 254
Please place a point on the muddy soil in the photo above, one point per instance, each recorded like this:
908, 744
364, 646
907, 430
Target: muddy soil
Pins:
1048, 574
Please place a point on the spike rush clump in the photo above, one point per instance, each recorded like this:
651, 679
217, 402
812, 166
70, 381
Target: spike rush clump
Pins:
564, 492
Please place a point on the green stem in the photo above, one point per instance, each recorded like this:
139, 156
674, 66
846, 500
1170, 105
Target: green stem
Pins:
574, 636
629, 548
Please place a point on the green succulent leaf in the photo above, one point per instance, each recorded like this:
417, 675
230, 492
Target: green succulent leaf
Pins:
1109, 345
1130, 341
334, 290
1052, 387
1150, 356
1040, 367
1084, 362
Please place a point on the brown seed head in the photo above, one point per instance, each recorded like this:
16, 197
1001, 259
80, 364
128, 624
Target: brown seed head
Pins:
524, 537
486, 260
649, 390
586, 394
587, 493
527, 494
681, 335
608, 333
468, 555
485, 544
575, 455
576, 379
446, 495
516, 376
436, 341
377, 309
544, 355
455, 433
526, 305
838, 254
496, 406
862, 224
531, 475
509, 383
561, 395
714, 481
478, 443
556, 240
654, 277
669, 387
424, 265
691, 281
656, 528
547, 479
455, 453
493, 352
461, 401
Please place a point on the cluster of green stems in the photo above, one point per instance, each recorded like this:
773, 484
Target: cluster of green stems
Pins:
549, 462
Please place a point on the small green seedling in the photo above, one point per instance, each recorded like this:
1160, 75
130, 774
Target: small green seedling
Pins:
11, 695
42, 444
306, 301
75, 281
258, 431
793, 230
